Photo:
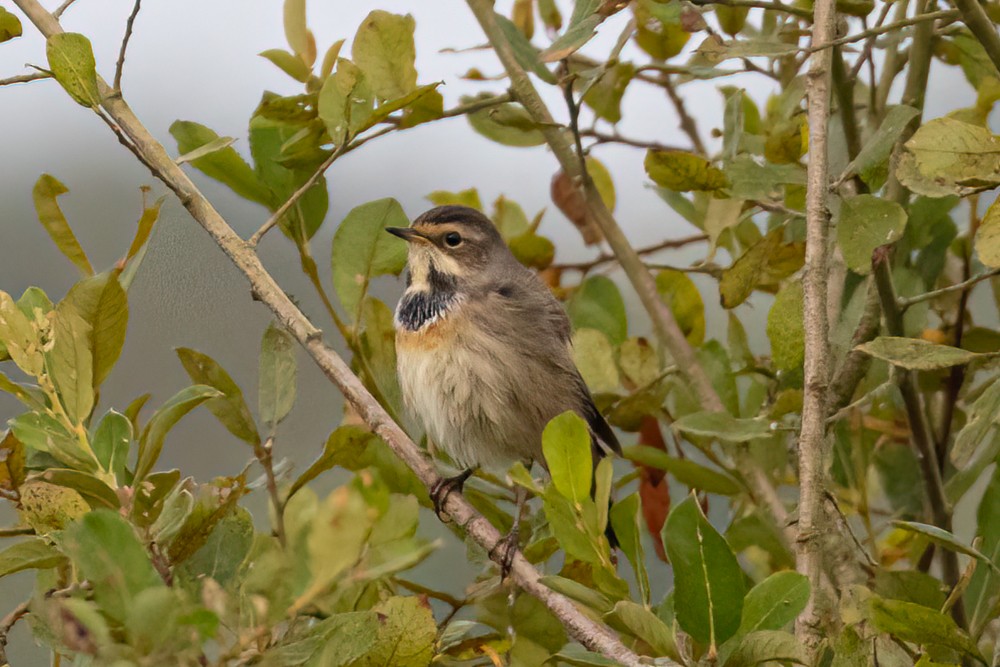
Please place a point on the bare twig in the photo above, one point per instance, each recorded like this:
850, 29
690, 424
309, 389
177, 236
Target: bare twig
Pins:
605, 258
25, 78
759, 4
615, 138
856, 364
866, 51
937, 500
688, 123
121, 54
974, 16
945, 15
906, 302
265, 455
8, 622
17, 531
61, 8
594, 636
812, 436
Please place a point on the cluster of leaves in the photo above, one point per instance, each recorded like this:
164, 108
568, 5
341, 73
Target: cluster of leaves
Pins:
137, 564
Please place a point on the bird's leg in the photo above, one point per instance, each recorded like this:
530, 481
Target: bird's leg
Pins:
446, 486
508, 545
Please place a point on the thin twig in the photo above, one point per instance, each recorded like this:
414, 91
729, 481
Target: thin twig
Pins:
906, 302
605, 258
866, 51
121, 54
759, 4
939, 507
63, 7
591, 634
17, 531
945, 14
265, 455
812, 436
615, 138
688, 123
8, 622
25, 78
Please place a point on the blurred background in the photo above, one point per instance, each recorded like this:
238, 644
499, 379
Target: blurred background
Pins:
197, 60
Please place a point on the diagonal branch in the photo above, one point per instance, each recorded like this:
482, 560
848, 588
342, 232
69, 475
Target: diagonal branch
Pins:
591, 634
120, 66
812, 437
668, 332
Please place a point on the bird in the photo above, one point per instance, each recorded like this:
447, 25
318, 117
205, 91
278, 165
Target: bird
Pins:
484, 354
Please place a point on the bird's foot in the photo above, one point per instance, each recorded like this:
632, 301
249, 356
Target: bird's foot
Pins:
446, 486
506, 548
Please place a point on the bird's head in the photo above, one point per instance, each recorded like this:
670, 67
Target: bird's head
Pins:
452, 245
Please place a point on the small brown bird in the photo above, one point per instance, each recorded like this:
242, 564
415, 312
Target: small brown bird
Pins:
483, 351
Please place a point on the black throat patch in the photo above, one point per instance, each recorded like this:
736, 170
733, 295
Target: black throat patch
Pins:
417, 309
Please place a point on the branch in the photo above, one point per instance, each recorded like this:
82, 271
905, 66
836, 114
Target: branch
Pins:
856, 364
121, 54
688, 123
906, 302
668, 333
759, 4
615, 138
592, 635
917, 418
7, 622
605, 258
63, 7
974, 16
25, 78
812, 436
265, 456
946, 14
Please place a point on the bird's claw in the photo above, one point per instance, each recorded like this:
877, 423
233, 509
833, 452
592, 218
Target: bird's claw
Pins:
444, 487
506, 548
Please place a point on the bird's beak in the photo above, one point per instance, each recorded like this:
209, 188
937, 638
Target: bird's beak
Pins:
406, 233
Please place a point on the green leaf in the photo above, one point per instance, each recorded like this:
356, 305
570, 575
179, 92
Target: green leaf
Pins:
571, 533
362, 250
94, 490
278, 371
685, 471
346, 102
761, 182
42, 433
566, 446
577, 34
406, 634
877, 149
229, 407
20, 337
786, 329
46, 189
680, 293
604, 96
866, 223
164, 419
377, 344
340, 639
70, 362
111, 442
288, 63
10, 25
526, 55
468, 198
642, 623
508, 124
683, 172
597, 304
775, 602
336, 537
981, 596
71, 60
595, 359
574, 590
224, 165
917, 354
723, 426
383, 48
764, 265
49, 507
625, 522
224, 551
106, 551
767, 646
532, 250
708, 582
296, 33
943, 538
102, 303
32, 554
408, 101
946, 156
988, 237
150, 215
920, 625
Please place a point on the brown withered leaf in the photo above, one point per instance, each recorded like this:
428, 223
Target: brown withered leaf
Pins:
654, 491
569, 198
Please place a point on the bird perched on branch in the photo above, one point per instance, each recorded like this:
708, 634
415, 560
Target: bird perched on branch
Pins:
483, 352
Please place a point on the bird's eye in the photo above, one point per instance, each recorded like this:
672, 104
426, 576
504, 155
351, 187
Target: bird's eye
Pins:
453, 239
